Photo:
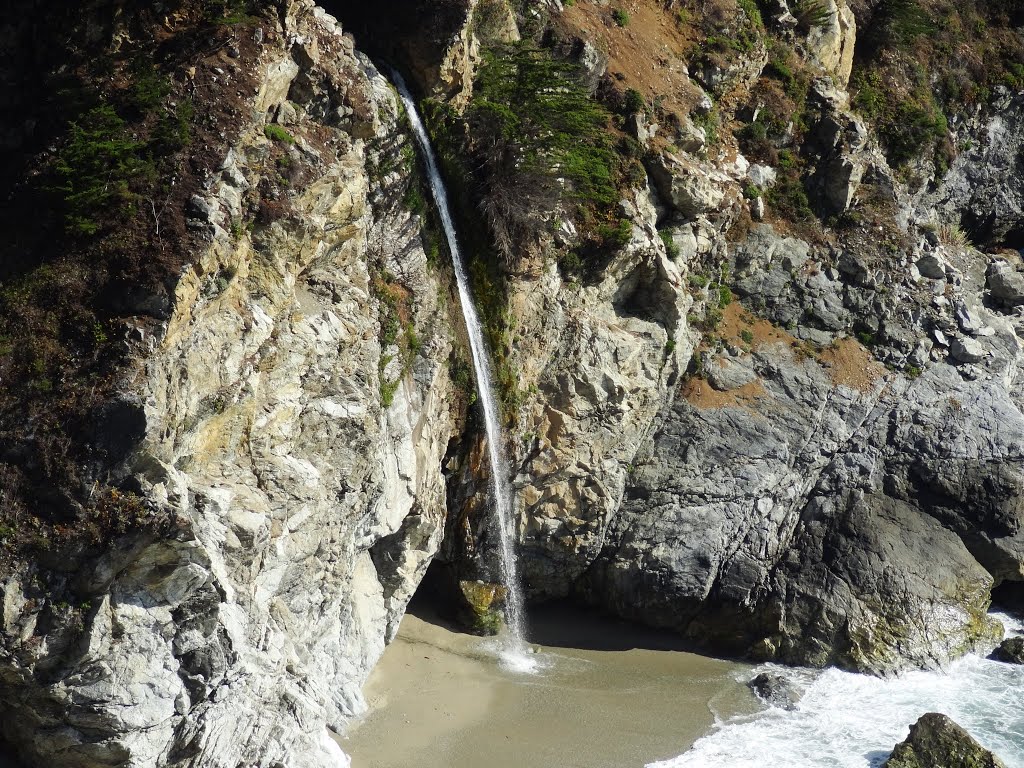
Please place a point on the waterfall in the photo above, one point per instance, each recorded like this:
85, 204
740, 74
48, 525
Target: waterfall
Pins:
501, 492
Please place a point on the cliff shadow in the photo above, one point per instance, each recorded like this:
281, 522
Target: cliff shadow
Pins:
564, 624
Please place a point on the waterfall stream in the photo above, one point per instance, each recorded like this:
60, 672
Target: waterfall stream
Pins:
514, 648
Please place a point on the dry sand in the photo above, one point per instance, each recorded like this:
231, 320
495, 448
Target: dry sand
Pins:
609, 696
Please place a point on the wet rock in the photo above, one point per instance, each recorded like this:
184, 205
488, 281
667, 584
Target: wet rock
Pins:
935, 741
1010, 651
482, 604
775, 690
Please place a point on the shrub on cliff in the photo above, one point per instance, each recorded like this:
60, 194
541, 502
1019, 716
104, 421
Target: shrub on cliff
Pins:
541, 138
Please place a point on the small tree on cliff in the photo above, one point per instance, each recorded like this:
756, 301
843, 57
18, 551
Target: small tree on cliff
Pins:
540, 140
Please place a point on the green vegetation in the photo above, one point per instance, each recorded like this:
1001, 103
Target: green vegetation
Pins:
788, 198
924, 60
908, 127
620, 17
810, 13
230, 12
542, 145
633, 102
751, 11
747, 337
95, 167
108, 199
276, 132
671, 249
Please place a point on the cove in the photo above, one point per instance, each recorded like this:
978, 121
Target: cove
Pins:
607, 695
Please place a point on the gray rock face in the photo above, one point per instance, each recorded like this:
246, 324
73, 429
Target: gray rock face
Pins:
935, 741
983, 187
305, 509
1006, 283
789, 512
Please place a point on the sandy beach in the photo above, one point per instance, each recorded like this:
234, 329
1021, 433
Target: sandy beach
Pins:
609, 696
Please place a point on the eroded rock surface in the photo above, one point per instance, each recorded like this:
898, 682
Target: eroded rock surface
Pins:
306, 504
936, 741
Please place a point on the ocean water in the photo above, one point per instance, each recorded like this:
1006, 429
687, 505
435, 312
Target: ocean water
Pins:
846, 720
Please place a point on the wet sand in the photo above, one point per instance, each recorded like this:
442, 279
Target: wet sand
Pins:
609, 696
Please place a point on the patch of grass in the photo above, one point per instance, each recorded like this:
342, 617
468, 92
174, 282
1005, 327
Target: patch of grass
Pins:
278, 133
633, 102
671, 249
620, 17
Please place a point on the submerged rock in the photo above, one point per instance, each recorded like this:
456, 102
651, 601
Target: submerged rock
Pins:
935, 741
774, 690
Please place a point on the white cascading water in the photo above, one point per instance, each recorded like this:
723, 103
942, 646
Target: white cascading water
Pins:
513, 653
845, 720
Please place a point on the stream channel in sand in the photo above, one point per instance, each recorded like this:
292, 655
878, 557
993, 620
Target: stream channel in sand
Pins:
607, 695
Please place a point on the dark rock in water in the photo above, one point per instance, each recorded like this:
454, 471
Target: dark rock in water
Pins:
774, 690
1011, 651
935, 741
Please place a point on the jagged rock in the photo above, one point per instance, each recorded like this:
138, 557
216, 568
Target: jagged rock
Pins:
640, 129
757, 209
599, 363
831, 45
693, 189
725, 374
1010, 651
1006, 283
775, 690
304, 509
932, 266
690, 137
762, 176
982, 190
967, 350
935, 741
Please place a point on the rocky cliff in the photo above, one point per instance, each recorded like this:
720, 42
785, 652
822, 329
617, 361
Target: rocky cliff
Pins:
760, 386
293, 412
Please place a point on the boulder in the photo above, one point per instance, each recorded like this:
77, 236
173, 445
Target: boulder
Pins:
935, 741
725, 374
692, 189
967, 350
1011, 650
763, 176
932, 266
1006, 284
774, 690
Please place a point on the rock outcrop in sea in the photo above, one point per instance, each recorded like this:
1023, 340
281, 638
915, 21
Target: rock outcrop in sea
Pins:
936, 741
